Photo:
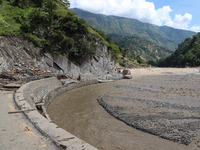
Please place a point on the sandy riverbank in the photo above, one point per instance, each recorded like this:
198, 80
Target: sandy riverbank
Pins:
78, 112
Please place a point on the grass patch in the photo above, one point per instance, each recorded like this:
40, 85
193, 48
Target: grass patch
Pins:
40, 42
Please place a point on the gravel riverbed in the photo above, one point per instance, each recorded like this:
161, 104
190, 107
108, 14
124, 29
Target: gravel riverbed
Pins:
161, 101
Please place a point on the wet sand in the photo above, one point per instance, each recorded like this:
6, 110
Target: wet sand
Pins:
79, 112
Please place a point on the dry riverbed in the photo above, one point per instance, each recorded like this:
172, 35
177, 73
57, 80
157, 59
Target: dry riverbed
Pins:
163, 102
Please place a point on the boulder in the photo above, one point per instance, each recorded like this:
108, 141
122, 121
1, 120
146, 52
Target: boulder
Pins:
128, 77
126, 72
5, 75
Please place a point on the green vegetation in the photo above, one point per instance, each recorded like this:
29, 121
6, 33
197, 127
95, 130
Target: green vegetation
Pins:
140, 47
10, 17
53, 27
165, 37
50, 25
120, 55
187, 54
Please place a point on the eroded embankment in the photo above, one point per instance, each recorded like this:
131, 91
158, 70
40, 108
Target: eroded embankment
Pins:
171, 97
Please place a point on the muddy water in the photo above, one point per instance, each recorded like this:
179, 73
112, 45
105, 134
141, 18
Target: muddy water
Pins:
79, 113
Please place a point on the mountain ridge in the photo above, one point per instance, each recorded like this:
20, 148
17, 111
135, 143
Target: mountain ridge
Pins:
136, 46
164, 36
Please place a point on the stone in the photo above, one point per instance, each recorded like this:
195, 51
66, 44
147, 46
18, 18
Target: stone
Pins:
105, 81
12, 85
126, 72
5, 75
61, 76
128, 77
27, 73
30, 73
68, 81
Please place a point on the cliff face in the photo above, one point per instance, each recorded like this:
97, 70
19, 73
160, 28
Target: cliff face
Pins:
17, 53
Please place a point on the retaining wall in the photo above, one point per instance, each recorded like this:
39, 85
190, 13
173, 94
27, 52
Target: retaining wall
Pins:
43, 92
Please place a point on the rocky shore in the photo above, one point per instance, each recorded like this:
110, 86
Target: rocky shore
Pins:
165, 103
160, 101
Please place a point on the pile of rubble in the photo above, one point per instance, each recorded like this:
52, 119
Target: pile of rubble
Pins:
14, 79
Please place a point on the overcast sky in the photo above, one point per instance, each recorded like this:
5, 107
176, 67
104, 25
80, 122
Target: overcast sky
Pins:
181, 14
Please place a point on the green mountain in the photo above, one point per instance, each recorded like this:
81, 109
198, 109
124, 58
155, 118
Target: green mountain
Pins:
187, 54
164, 36
136, 46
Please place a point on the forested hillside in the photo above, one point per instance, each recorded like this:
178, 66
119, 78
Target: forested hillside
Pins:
136, 46
52, 26
49, 24
166, 37
187, 54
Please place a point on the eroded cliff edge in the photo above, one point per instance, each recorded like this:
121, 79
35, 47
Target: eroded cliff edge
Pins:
17, 53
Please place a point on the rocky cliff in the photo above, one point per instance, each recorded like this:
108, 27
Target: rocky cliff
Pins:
17, 53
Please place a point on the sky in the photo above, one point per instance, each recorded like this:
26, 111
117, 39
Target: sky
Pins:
180, 14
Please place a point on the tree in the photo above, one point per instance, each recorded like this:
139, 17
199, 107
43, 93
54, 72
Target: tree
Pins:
67, 3
26, 3
187, 54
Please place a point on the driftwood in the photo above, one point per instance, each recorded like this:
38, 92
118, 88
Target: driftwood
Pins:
19, 111
39, 104
66, 139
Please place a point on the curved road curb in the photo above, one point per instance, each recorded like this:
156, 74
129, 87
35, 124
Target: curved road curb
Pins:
31, 94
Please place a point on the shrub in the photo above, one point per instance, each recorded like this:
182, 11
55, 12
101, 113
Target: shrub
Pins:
82, 49
37, 41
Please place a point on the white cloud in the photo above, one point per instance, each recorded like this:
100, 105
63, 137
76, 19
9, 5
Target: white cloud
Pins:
138, 9
195, 28
181, 22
